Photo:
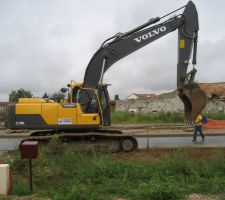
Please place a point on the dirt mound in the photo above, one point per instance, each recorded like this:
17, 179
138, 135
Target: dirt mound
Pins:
214, 90
167, 95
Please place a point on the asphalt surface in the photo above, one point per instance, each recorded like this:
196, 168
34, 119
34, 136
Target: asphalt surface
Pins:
182, 141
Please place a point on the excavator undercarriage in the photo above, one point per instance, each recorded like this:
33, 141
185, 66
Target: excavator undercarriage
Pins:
103, 139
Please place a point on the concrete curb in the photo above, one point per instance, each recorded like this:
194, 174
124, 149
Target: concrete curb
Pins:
176, 135
194, 146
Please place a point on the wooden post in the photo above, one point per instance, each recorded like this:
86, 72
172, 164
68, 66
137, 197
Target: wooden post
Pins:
29, 150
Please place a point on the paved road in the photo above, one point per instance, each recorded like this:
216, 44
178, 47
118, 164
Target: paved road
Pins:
143, 142
7, 144
172, 142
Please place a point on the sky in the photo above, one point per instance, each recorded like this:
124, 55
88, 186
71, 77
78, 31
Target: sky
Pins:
46, 43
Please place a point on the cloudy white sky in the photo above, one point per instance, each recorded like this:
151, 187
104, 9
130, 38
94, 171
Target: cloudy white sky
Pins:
46, 43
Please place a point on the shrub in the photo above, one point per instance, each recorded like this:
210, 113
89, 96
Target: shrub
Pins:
21, 187
4, 118
71, 174
219, 115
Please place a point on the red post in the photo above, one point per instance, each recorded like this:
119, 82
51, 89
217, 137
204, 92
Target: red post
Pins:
29, 150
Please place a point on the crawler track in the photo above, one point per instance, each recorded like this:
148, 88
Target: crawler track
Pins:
101, 139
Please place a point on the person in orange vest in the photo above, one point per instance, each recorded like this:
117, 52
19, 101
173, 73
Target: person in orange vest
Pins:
198, 128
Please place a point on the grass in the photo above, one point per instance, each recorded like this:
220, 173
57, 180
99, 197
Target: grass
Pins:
159, 117
62, 173
220, 115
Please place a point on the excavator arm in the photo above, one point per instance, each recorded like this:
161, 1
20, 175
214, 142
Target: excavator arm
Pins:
121, 45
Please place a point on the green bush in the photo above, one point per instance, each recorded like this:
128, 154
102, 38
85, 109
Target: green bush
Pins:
4, 118
219, 115
159, 117
162, 190
21, 187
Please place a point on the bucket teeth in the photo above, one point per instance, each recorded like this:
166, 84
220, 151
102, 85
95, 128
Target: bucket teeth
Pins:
194, 99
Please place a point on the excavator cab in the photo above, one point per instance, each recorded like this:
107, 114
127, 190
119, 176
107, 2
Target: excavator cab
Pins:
98, 100
104, 105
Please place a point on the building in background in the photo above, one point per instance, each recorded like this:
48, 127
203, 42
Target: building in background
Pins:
4, 106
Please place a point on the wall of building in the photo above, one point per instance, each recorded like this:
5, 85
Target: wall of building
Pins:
169, 102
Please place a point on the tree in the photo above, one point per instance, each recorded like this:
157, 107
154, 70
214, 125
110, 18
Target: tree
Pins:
57, 96
116, 97
21, 93
45, 96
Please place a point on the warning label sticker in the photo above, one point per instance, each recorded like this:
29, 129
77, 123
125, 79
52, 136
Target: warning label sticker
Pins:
64, 121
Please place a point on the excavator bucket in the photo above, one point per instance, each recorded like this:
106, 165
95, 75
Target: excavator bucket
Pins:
194, 99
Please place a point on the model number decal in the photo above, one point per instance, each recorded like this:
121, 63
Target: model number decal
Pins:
64, 121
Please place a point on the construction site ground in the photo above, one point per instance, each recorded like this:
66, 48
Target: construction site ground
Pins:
153, 130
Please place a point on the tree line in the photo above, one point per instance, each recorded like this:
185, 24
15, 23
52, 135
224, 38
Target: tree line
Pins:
14, 95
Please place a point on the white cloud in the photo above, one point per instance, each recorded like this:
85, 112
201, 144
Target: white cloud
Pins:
45, 44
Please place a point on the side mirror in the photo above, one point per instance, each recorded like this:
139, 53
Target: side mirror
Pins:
63, 90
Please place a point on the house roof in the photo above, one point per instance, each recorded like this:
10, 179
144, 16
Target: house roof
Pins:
4, 103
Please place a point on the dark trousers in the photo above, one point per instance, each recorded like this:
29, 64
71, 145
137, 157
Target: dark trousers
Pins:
196, 130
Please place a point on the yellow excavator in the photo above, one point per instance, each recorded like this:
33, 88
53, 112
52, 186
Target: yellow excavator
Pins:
87, 109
